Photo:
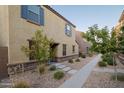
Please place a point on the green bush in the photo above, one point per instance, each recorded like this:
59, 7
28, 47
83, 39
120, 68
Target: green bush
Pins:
102, 64
112, 63
52, 68
77, 60
108, 58
105, 55
21, 84
90, 54
58, 75
70, 61
41, 69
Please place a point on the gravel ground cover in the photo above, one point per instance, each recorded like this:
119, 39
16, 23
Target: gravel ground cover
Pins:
79, 65
35, 80
118, 66
102, 80
47, 80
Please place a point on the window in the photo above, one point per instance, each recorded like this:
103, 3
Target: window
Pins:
68, 29
64, 49
73, 49
33, 13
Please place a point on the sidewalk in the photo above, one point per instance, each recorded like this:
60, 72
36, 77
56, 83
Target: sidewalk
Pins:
78, 80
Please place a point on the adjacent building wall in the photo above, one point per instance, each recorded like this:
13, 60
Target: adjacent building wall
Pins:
119, 24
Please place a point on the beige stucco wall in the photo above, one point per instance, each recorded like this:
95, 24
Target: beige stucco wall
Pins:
55, 29
20, 30
119, 24
118, 27
4, 27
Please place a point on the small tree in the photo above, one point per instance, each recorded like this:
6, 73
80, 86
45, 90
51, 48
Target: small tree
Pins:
121, 41
113, 41
40, 48
99, 38
102, 41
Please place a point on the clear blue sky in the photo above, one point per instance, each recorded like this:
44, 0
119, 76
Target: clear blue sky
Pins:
84, 16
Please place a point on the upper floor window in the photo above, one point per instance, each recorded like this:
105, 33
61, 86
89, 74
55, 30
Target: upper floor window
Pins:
33, 13
68, 30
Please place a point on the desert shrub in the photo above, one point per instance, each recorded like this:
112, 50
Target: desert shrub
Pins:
120, 76
90, 54
58, 75
41, 69
77, 60
102, 64
21, 84
52, 68
108, 58
70, 61
111, 63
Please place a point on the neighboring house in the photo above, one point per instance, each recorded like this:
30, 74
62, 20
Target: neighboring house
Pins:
119, 24
117, 30
82, 43
18, 24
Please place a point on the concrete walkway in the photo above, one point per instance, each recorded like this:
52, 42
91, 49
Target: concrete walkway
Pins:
78, 80
65, 68
108, 70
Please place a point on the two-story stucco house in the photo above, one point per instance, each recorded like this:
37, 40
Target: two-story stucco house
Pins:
18, 24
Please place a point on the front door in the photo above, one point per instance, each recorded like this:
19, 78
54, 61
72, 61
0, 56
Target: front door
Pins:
53, 50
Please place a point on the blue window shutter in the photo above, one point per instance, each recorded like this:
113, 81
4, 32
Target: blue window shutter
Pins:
41, 16
24, 11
